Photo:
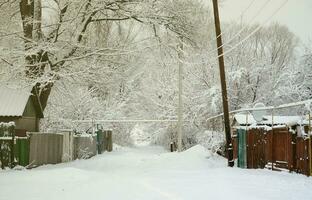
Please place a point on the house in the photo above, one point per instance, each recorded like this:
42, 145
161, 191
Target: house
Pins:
21, 107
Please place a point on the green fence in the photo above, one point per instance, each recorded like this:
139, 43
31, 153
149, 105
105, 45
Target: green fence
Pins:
242, 149
22, 151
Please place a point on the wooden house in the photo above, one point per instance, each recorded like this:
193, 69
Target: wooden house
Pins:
21, 107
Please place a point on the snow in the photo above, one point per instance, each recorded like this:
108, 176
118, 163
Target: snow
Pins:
285, 120
152, 173
50, 16
8, 124
139, 136
13, 101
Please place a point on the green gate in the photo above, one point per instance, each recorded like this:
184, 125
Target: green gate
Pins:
22, 151
242, 149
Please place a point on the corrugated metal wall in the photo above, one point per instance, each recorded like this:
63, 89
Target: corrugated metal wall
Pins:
45, 148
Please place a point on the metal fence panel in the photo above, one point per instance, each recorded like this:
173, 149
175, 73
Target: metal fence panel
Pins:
45, 148
242, 154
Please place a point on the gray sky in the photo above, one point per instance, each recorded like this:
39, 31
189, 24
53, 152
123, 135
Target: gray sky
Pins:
296, 14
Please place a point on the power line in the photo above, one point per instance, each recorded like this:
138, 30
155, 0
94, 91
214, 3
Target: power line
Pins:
257, 29
244, 39
242, 29
243, 13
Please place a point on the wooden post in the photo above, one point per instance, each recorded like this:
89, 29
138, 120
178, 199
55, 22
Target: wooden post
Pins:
229, 145
294, 151
171, 147
246, 141
310, 146
109, 141
272, 145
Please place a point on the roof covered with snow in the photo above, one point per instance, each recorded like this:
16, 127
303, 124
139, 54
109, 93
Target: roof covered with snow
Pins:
13, 101
267, 120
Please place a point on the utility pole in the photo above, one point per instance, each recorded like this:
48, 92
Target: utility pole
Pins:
180, 106
227, 127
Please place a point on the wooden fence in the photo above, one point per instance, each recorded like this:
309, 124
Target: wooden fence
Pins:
276, 149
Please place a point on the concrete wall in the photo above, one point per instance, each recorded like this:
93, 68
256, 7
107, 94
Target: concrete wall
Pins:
45, 148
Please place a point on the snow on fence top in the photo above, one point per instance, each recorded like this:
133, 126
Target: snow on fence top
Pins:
7, 129
125, 120
7, 125
306, 103
267, 120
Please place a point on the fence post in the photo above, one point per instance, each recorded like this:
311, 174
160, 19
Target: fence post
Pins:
310, 156
109, 139
294, 151
173, 146
272, 145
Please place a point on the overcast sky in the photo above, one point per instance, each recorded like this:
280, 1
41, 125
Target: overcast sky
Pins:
296, 14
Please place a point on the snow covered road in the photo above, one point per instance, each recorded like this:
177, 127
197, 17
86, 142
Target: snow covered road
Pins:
150, 173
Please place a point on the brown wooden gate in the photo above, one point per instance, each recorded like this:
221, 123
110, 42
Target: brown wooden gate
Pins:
302, 156
256, 145
263, 150
281, 151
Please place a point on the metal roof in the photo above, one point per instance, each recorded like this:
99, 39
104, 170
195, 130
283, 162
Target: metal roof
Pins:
13, 101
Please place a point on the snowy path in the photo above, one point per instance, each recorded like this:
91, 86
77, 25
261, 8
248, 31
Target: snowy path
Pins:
151, 173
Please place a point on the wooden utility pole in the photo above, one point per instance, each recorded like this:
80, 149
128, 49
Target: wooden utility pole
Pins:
227, 127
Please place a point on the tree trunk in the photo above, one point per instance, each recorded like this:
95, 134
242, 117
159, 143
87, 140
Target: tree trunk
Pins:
31, 14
